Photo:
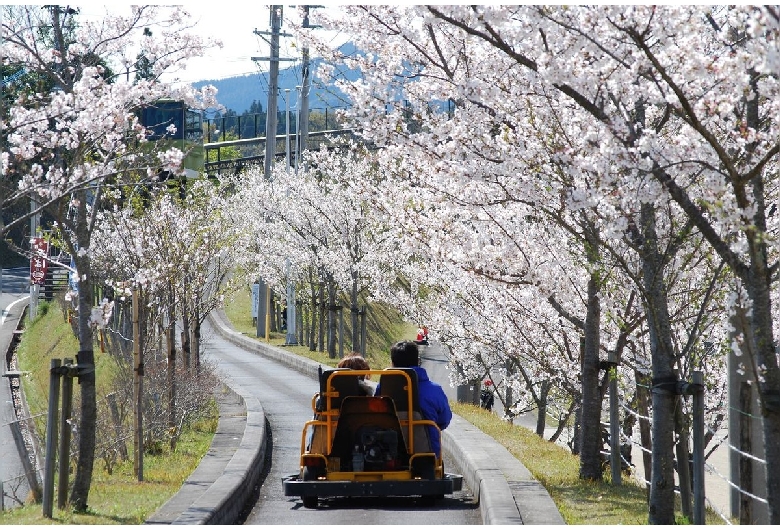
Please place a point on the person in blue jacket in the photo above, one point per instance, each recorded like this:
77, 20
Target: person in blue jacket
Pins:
433, 401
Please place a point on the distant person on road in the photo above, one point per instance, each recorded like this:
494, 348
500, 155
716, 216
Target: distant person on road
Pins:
355, 361
433, 401
486, 398
422, 336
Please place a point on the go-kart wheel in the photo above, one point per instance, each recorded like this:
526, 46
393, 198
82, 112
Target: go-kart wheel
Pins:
311, 473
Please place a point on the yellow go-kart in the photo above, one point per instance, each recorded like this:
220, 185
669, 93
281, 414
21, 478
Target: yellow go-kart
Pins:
368, 446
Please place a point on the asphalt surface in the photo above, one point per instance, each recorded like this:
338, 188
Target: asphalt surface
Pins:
16, 472
217, 490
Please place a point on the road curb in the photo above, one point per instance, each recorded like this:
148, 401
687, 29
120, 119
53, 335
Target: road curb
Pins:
241, 438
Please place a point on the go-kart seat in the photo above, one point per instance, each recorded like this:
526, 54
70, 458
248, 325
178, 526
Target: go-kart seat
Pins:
339, 388
343, 385
395, 386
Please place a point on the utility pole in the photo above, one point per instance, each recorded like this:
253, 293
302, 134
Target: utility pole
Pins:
303, 131
270, 138
291, 338
273, 85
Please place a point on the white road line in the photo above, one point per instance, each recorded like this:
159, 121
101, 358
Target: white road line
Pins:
7, 310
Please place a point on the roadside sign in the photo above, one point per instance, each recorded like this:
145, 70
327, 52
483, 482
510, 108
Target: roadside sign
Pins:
255, 301
38, 263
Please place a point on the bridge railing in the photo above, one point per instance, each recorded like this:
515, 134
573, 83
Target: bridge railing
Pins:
252, 150
253, 125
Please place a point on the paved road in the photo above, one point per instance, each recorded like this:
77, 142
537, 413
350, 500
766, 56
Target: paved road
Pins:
434, 359
286, 396
14, 295
506, 491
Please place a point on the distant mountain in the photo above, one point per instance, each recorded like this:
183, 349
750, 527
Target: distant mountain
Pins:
238, 93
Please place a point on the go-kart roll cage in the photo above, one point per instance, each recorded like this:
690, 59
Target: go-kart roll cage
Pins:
341, 411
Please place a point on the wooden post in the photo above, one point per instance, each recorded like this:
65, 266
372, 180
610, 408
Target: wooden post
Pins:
67, 402
138, 392
698, 448
614, 422
51, 436
341, 332
746, 446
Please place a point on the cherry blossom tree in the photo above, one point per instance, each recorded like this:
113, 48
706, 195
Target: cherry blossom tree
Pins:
669, 107
68, 146
171, 250
317, 219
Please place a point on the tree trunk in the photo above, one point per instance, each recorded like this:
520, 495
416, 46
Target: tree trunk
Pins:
591, 441
86, 362
643, 410
171, 373
684, 472
323, 307
355, 314
332, 321
575, 443
541, 406
195, 340
768, 378
664, 373
299, 322
185, 330
745, 462
313, 319
758, 280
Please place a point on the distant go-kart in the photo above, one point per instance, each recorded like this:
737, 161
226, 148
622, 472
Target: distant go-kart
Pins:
368, 446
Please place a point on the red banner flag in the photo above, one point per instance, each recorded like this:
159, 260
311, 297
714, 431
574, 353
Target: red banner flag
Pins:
39, 263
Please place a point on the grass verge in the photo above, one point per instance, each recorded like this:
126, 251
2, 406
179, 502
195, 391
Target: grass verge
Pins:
116, 497
384, 326
579, 501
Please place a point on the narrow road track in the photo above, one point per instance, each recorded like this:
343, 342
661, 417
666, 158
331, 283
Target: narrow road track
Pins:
286, 395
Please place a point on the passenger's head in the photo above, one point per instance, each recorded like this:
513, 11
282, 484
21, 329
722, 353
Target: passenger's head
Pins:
405, 354
354, 361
